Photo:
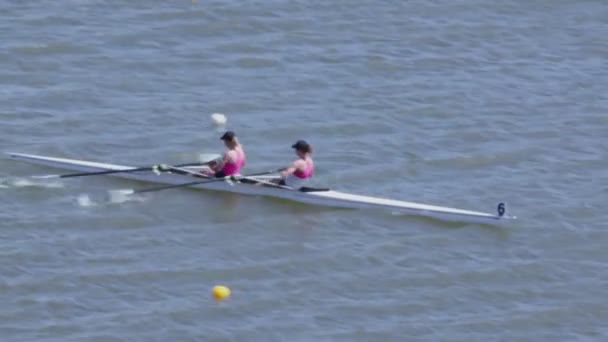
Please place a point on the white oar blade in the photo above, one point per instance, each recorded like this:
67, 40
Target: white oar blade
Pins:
84, 200
208, 157
120, 195
218, 119
46, 176
29, 182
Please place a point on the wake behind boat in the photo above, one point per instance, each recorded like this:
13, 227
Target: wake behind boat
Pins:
259, 185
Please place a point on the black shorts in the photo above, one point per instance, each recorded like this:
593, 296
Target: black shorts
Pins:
220, 174
278, 181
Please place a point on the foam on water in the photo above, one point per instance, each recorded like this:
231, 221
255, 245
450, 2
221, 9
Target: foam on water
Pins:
112, 197
462, 103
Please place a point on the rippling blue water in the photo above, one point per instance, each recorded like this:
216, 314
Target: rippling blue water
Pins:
459, 103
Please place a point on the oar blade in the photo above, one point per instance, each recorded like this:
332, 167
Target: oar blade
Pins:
120, 195
231, 179
158, 169
46, 176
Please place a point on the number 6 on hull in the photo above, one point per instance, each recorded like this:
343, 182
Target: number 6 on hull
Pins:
502, 209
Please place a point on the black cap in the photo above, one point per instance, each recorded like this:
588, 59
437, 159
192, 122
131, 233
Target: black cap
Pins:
229, 135
301, 145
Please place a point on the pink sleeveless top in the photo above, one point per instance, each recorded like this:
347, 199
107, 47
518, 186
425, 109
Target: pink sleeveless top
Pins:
234, 168
307, 172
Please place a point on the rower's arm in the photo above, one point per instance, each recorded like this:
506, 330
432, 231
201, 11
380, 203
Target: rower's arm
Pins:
292, 168
220, 163
217, 165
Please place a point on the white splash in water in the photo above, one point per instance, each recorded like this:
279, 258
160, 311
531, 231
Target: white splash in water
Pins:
85, 201
21, 183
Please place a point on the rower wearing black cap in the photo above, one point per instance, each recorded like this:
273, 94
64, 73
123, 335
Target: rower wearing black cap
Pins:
302, 169
233, 160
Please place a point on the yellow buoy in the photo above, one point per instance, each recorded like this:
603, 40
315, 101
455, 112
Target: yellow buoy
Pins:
221, 292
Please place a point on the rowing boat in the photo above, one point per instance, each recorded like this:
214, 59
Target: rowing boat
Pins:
259, 186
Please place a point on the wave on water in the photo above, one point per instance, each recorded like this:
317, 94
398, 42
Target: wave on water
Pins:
28, 182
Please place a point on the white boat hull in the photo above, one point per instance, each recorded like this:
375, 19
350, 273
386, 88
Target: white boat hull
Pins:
325, 198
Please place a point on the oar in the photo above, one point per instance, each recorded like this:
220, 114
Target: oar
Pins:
107, 172
173, 186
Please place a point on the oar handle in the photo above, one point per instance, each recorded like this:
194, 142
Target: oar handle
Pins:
173, 186
107, 172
